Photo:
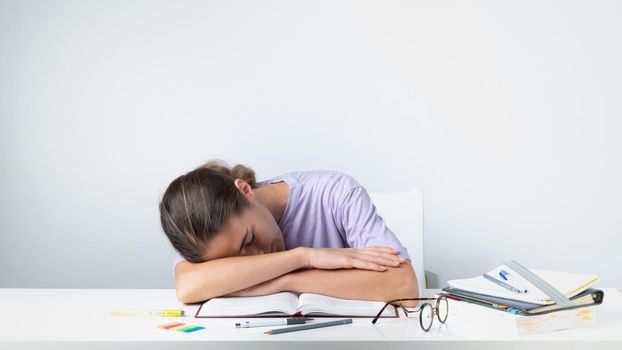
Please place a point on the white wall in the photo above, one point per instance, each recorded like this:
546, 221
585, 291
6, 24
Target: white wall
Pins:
507, 114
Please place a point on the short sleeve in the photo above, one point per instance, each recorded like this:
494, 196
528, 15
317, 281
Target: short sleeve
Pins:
178, 259
363, 226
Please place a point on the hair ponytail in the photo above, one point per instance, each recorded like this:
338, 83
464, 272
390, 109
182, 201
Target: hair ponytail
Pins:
239, 171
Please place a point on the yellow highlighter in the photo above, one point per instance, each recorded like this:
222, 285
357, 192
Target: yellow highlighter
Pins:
156, 313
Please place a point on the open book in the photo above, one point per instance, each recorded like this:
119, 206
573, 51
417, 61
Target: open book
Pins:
287, 304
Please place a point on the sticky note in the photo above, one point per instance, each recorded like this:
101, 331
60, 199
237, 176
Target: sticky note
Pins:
184, 328
194, 329
171, 325
181, 327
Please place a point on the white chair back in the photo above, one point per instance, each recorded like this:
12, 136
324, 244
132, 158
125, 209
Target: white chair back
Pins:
403, 214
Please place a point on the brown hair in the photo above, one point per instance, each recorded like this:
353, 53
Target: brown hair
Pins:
196, 206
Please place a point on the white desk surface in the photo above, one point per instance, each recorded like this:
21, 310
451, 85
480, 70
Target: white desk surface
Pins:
73, 318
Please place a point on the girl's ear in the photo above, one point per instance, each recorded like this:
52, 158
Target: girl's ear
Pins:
244, 187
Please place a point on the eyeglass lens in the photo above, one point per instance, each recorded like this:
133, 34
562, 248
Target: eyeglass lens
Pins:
442, 309
426, 316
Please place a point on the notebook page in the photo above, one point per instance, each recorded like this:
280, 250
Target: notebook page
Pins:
568, 284
284, 302
316, 303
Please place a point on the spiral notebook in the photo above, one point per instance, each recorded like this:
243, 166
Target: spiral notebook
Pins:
568, 284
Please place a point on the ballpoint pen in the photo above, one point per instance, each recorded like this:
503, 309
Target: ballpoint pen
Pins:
272, 322
512, 281
502, 284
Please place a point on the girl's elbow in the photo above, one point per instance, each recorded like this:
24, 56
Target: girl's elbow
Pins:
408, 286
183, 293
407, 290
190, 292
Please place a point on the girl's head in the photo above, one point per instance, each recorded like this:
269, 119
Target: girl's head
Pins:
212, 212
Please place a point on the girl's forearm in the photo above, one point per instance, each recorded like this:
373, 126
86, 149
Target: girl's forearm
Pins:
198, 282
395, 283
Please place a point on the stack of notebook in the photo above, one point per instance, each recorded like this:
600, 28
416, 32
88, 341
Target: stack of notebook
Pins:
546, 291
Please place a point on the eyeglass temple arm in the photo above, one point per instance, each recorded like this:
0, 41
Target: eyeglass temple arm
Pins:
379, 313
402, 306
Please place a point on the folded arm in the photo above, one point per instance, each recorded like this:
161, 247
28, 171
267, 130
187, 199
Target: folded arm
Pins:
394, 283
251, 274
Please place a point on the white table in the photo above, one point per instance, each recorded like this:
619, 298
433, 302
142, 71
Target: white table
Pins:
77, 318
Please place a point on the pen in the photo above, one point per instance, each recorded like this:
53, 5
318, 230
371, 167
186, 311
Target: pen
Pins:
272, 322
502, 284
157, 313
506, 276
309, 326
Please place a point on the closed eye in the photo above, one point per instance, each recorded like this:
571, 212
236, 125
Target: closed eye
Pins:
252, 239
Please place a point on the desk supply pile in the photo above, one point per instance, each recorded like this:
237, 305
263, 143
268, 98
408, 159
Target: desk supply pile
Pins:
542, 300
534, 300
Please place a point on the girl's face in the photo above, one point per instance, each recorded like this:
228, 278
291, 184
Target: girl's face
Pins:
252, 233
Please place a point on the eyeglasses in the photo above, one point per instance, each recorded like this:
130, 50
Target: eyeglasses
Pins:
426, 310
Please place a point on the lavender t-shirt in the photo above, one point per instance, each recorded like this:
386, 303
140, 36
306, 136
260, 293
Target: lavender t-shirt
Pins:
329, 209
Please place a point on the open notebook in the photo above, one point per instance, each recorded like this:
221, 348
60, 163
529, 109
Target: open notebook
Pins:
289, 304
569, 284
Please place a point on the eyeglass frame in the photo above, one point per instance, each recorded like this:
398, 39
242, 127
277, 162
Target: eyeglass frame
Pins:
406, 311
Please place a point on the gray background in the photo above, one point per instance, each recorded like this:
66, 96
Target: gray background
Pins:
507, 114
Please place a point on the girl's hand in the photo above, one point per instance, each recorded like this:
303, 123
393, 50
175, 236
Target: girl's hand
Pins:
370, 258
